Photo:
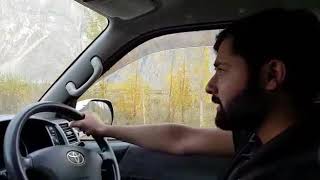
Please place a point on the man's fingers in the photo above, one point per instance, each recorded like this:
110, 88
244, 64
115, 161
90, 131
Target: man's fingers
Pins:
77, 124
73, 124
82, 126
88, 133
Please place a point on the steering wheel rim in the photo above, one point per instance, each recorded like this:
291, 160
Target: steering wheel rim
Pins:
16, 165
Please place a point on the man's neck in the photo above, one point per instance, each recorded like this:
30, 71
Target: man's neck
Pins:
275, 124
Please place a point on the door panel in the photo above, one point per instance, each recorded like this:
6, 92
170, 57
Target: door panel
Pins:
137, 163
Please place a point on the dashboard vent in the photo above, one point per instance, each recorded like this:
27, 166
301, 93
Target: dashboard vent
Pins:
71, 136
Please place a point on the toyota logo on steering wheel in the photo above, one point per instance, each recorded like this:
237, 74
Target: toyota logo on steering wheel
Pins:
75, 158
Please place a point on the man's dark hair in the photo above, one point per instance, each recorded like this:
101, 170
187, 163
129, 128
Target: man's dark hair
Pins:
291, 36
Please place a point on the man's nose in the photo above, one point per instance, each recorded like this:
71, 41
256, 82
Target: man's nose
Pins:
211, 87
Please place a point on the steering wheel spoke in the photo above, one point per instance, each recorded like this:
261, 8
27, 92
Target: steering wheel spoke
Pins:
26, 162
107, 156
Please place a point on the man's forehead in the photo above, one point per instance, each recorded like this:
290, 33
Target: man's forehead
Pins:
226, 56
222, 61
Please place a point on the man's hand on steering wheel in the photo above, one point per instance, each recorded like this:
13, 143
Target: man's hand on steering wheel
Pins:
90, 125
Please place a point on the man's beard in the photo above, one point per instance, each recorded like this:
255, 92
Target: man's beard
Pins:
245, 111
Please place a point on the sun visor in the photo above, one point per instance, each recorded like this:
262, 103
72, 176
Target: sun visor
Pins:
123, 9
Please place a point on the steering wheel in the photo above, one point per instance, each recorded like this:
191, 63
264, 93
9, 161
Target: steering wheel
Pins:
56, 162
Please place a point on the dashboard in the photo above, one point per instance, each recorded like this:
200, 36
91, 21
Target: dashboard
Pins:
38, 133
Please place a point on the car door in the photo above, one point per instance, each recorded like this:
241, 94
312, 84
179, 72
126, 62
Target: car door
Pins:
162, 81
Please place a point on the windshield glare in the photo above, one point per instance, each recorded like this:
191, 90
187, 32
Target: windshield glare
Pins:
39, 39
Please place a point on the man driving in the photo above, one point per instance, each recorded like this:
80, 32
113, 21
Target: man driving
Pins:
265, 87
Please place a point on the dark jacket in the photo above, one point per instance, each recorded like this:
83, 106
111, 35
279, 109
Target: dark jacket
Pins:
291, 155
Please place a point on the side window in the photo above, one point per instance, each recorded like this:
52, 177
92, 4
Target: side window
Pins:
162, 81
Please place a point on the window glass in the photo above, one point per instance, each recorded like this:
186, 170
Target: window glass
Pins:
162, 81
39, 39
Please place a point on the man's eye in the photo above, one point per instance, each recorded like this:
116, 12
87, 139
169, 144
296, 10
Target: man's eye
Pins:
218, 69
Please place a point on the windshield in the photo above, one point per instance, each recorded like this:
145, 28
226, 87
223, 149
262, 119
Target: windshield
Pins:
39, 40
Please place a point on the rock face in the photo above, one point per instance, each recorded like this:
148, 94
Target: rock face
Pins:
40, 38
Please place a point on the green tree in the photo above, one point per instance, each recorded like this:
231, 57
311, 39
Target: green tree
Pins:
96, 24
16, 92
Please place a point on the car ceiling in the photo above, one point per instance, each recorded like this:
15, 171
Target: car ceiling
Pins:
128, 27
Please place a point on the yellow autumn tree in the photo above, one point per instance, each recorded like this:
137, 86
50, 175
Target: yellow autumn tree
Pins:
16, 92
203, 108
180, 97
207, 108
128, 96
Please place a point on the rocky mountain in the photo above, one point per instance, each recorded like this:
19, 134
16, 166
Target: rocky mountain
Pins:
40, 38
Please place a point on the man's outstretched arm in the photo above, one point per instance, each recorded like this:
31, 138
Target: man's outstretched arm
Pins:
169, 138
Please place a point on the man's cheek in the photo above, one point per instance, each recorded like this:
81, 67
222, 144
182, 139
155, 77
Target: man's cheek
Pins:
222, 107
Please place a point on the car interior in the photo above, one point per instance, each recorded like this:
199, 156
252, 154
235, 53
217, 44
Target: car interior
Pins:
47, 152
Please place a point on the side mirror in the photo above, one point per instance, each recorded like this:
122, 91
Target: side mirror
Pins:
101, 108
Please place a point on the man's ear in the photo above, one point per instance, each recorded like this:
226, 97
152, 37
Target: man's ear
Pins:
273, 75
